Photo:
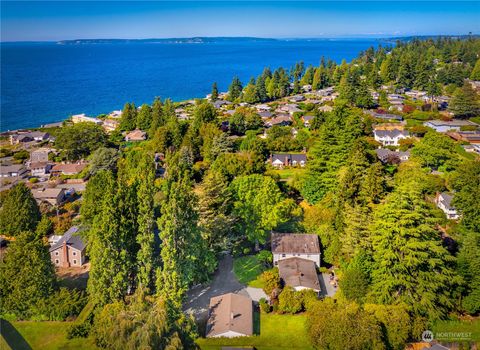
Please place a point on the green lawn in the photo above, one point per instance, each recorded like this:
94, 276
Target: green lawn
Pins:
248, 269
289, 173
39, 336
459, 326
276, 332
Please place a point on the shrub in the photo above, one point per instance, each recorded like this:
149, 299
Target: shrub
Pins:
271, 280
33, 180
78, 330
309, 297
265, 257
264, 306
290, 301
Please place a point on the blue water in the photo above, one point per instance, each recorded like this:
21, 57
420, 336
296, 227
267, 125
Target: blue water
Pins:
47, 82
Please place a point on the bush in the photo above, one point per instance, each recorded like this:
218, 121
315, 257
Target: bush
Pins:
265, 257
80, 330
290, 301
61, 305
33, 180
21, 155
309, 297
264, 306
271, 280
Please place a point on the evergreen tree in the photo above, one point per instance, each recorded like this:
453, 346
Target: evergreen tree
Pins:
465, 102
261, 89
235, 89
27, 276
144, 117
214, 94
19, 211
410, 265
475, 75
466, 182
128, 121
93, 196
469, 269
204, 113
250, 92
158, 119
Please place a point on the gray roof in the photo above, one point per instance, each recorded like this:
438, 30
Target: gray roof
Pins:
301, 157
72, 239
384, 153
454, 122
447, 200
14, 168
391, 133
298, 243
230, 312
298, 272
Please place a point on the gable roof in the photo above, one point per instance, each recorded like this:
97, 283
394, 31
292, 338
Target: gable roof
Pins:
446, 199
298, 157
391, 133
69, 168
298, 272
299, 243
71, 238
230, 313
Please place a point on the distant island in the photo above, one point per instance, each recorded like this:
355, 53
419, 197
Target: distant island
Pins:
193, 40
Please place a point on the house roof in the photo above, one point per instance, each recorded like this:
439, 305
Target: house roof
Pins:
391, 133
72, 239
69, 168
36, 165
136, 134
384, 153
298, 272
298, 243
45, 193
230, 312
280, 119
14, 168
301, 157
308, 117
446, 200
454, 123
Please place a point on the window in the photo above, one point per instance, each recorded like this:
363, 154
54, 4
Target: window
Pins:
56, 261
74, 253
56, 253
74, 262
283, 255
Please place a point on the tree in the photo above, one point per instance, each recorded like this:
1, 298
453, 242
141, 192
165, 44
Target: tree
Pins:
261, 89
342, 326
128, 121
466, 182
289, 301
465, 102
27, 276
204, 113
354, 284
271, 281
250, 92
435, 150
214, 94
260, 206
144, 117
103, 159
469, 269
94, 194
19, 211
146, 237
410, 264
80, 140
235, 89
215, 204
475, 75
158, 118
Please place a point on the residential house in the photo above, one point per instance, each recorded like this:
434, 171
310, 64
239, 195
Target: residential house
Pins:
14, 170
110, 125
230, 315
263, 108
115, 114
392, 157
472, 137
297, 98
444, 203
69, 250
475, 84
390, 137
136, 135
40, 155
40, 169
53, 196
220, 103
385, 116
82, 118
450, 125
472, 148
325, 108
416, 95
280, 120
265, 114
24, 137
67, 169
299, 274
307, 88
307, 119
290, 109
295, 245
280, 160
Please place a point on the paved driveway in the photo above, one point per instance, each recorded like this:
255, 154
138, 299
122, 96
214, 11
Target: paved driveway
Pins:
224, 281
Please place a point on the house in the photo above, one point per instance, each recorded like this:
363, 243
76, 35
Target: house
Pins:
40, 169
307, 119
280, 120
14, 170
54, 196
220, 103
69, 250
40, 155
110, 125
53, 239
297, 98
290, 109
67, 169
115, 114
295, 245
82, 118
136, 135
472, 137
444, 126
15, 139
230, 315
263, 108
390, 137
265, 114
299, 274
325, 108
392, 157
280, 160
444, 203
385, 116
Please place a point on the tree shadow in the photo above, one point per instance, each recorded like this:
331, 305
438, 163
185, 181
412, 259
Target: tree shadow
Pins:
12, 337
256, 321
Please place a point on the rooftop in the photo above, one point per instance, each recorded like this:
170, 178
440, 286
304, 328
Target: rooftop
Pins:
71, 238
298, 272
230, 313
299, 243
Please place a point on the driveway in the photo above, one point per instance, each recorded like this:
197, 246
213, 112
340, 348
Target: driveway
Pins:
327, 290
223, 281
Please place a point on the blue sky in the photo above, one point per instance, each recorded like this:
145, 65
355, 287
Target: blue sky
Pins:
56, 20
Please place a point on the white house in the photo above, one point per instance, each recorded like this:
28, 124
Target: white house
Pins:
82, 118
390, 137
230, 315
444, 126
444, 203
295, 245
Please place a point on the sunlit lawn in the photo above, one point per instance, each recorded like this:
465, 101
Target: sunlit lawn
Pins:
276, 332
288, 173
248, 269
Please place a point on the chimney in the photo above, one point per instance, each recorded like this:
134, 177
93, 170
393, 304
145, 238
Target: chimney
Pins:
66, 263
286, 160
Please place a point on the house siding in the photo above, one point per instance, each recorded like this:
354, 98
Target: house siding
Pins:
281, 256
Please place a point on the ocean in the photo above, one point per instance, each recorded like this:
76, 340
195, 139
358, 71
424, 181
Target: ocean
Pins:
47, 82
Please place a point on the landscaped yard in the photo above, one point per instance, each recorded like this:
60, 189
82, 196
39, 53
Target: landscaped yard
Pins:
248, 270
289, 173
276, 332
40, 335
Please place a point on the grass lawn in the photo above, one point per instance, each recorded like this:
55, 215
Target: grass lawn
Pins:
40, 335
288, 173
276, 332
248, 269
459, 326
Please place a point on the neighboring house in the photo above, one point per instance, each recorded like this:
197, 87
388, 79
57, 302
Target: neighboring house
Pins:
69, 250
14, 170
110, 125
40, 169
297, 98
67, 169
115, 114
280, 120
299, 274
385, 116
280, 160
53, 239
54, 196
444, 126
23, 137
136, 135
392, 157
444, 203
325, 108
265, 114
295, 245
82, 118
472, 137
230, 315
263, 108
220, 103
290, 108
40, 155
307, 119
390, 137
